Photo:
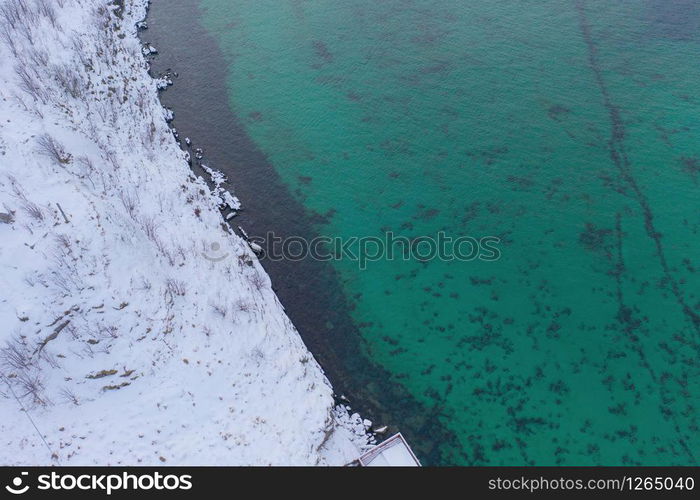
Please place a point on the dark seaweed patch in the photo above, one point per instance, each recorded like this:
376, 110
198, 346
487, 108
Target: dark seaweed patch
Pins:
620, 159
322, 52
594, 239
691, 166
556, 111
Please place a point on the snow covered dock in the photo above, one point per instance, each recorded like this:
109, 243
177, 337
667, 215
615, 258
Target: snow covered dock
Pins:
394, 452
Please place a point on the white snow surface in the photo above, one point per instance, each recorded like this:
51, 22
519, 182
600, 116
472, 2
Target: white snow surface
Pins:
121, 342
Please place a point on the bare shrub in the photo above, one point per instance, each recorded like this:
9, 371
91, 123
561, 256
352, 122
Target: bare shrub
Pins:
65, 276
150, 228
220, 309
34, 108
8, 37
12, 12
62, 282
88, 169
46, 9
176, 287
30, 83
33, 210
25, 28
63, 240
48, 358
182, 253
16, 355
145, 285
108, 331
130, 200
79, 50
69, 80
31, 386
109, 153
54, 150
243, 306
150, 135
257, 354
73, 331
163, 249
30, 208
257, 280
69, 396
38, 57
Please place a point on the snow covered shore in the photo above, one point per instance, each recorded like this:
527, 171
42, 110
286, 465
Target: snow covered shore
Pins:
136, 327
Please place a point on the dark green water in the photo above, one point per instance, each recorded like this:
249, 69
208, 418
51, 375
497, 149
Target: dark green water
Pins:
570, 130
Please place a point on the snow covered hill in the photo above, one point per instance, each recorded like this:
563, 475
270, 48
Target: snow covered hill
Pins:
136, 328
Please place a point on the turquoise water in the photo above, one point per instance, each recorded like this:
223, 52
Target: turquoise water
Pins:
569, 130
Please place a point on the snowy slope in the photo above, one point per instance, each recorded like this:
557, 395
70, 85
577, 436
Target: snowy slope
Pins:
120, 342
